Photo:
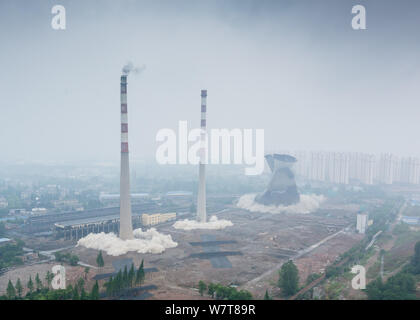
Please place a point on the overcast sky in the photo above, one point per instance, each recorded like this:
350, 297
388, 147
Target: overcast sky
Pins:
294, 68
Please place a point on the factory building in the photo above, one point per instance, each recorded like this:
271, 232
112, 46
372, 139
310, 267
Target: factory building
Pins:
156, 218
76, 229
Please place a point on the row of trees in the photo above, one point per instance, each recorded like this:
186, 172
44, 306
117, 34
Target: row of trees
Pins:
221, 292
124, 280
37, 291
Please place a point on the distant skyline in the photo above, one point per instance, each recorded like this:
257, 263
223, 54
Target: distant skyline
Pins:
294, 68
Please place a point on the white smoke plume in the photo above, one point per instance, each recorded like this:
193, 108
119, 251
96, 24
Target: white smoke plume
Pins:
308, 203
130, 68
212, 224
150, 241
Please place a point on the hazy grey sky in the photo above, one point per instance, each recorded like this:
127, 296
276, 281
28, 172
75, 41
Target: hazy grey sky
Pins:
294, 68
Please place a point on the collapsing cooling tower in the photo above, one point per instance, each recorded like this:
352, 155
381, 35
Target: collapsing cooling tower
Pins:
282, 188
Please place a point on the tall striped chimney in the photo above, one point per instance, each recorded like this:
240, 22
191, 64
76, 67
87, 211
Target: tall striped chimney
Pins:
201, 200
126, 228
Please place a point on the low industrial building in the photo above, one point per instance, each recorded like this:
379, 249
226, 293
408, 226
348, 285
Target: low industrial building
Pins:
76, 229
153, 219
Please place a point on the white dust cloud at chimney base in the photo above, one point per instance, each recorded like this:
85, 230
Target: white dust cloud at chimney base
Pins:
150, 241
212, 224
308, 203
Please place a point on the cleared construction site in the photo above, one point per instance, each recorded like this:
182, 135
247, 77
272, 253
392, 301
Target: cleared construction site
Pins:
247, 254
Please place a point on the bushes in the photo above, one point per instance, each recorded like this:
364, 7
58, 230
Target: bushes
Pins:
221, 292
67, 257
399, 287
10, 254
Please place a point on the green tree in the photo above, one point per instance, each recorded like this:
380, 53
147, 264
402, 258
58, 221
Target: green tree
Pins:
289, 279
125, 278
19, 288
81, 284
202, 287
73, 260
118, 283
59, 256
100, 260
38, 282
108, 287
48, 278
140, 274
75, 295
415, 262
211, 289
11, 292
267, 296
94, 294
87, 269
30, 285
131, 275
83, 294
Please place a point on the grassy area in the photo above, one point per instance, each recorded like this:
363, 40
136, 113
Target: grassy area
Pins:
374, 270
402, 248
407, 237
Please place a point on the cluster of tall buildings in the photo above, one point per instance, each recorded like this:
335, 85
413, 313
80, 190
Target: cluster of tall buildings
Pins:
343, 167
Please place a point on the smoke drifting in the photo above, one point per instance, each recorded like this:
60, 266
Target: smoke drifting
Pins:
212, 224
130, 68
150, 241
307, 204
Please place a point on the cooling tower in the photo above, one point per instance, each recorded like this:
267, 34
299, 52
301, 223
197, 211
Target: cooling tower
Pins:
282, 188
201, 199
126, 228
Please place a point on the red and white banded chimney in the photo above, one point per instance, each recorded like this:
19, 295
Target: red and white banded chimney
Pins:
201, 199
126, 228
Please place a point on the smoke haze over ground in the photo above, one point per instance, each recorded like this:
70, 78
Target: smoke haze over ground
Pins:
212, 224
308, 203
150, 241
